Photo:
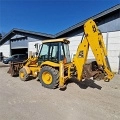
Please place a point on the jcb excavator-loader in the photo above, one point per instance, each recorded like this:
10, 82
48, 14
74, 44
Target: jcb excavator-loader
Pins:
53, 65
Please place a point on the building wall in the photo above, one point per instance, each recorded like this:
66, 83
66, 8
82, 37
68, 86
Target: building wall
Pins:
25, 43
5, 49
31, 47
75, 41
114, 50
112, 43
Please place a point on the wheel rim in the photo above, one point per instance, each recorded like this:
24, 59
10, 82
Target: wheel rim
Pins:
47, 78
22, 74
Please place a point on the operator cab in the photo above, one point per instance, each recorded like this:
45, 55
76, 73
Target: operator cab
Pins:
55, 51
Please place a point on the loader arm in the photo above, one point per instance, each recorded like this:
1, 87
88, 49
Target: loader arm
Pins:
92, 38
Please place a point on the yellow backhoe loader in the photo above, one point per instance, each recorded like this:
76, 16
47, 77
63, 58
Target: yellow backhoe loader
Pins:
53, 65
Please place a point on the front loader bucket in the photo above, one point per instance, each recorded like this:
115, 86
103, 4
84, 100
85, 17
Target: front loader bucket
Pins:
14, 68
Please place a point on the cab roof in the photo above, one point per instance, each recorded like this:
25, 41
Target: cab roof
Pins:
64, 40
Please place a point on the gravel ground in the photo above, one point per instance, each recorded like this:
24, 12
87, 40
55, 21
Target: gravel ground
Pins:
92, 100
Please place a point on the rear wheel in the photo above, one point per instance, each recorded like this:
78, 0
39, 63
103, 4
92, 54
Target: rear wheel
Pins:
49, 77
23, 74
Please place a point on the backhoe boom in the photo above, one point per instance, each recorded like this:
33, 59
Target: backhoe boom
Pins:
93, 38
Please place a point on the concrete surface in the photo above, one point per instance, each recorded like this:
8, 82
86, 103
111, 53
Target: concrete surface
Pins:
28, 100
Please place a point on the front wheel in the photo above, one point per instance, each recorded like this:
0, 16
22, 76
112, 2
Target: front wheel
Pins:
23, 74
49, 77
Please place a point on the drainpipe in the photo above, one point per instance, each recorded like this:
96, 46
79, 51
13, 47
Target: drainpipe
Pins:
107, 60
107, 41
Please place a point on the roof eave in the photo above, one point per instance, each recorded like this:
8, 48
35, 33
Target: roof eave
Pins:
19, 32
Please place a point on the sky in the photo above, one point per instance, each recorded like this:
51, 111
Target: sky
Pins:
48, 16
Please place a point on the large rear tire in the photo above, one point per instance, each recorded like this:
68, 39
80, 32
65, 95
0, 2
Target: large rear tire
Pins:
49, 77
23, 74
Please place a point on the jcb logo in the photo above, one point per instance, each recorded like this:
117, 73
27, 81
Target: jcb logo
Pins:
94, 28
81, 55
